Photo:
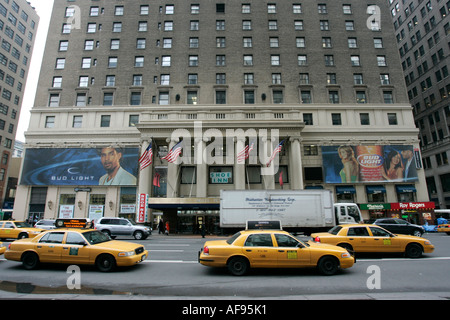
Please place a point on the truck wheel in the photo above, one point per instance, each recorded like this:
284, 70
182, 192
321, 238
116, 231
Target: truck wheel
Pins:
328, 266
413, 250
238, 266
30, 261
139, 235
105, 262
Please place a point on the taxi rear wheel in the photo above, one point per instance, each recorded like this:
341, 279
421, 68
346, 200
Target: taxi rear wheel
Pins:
30, 261
238, 266
328, 266
105, 263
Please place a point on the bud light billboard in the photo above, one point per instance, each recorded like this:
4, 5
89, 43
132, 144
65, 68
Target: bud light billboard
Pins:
353, 164
80, 166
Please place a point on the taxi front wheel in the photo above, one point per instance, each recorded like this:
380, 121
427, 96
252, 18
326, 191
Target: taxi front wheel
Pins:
328, 266
105, 263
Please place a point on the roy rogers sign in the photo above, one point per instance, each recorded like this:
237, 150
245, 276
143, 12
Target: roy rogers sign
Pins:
412, 206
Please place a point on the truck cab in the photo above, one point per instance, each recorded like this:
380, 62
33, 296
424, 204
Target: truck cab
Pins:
347, 213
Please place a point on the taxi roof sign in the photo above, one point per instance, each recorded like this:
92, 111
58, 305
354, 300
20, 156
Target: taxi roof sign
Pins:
71, 223
264, 225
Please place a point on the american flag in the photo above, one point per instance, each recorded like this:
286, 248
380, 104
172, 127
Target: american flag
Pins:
244, 154
174, 152
146, 159
275, 151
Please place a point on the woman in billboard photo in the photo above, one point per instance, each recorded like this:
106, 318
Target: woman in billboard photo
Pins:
393, 166
350, 171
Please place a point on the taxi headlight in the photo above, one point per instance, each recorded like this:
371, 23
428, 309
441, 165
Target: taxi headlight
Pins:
346, 255
126, 254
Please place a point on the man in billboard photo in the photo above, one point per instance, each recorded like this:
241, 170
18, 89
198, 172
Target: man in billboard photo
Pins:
115, 174
409, 164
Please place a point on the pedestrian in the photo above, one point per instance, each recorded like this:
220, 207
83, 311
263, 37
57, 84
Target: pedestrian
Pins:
167, 228
202, 230
161, 226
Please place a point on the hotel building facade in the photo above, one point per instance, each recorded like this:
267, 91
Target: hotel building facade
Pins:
323, 78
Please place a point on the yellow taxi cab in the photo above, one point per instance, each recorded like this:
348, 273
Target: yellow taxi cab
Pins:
76, 246
372, 238
2, 248
444, 228
11, 229
272, 249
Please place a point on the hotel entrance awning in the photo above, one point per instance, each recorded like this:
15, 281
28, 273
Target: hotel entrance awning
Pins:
184, 203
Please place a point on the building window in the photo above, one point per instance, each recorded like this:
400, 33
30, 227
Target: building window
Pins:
221, 97
364, 119
192, 97
108, 99
392, 119
336, 119
308, 119
163, 98
188, 175
388, 97
77, 121
277, 96
105, 121
81, 100
50, 121
133, 120
306, 96
361, 97
249, 97
333, 96
53, 100
135, 99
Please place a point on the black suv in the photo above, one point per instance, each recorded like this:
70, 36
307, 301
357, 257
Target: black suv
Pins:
400, 226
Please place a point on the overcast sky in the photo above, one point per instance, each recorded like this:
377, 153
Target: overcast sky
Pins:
43, 8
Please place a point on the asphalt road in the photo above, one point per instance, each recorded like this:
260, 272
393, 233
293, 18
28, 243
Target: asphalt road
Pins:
172, 272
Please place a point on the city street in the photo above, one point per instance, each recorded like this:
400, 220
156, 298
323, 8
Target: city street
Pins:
172, 272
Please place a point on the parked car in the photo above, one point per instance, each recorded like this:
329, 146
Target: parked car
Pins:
122, 227
399, 226
46, 224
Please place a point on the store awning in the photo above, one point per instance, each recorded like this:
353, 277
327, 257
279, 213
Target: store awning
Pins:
405, 188
345, 190
184, 203
375, 189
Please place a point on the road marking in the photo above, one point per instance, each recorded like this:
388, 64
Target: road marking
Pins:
166, 250
168, 245
169, 261
404, 259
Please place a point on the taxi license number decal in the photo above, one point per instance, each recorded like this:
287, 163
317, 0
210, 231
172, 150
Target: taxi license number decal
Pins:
387, 242
291, 254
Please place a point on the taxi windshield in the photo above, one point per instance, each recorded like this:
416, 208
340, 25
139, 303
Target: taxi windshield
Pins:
94, 237
22, 224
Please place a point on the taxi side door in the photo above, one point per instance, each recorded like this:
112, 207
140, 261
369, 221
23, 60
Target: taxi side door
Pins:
359, 238
49, 247
291, 253
9, 230
383, 241
75, 249
259, 249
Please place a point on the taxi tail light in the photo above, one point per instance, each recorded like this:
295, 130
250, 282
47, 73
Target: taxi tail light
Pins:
206, 250
317, 239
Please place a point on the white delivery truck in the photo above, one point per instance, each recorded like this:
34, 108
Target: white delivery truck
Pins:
306, 211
